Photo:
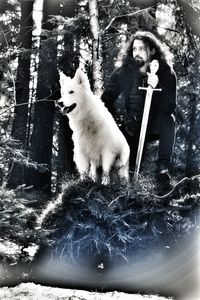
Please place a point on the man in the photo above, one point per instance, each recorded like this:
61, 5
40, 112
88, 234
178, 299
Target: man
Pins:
126, 80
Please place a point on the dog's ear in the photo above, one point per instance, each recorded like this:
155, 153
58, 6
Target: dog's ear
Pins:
63, 78
82, 79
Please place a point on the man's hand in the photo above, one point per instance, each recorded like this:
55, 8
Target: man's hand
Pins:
152, 80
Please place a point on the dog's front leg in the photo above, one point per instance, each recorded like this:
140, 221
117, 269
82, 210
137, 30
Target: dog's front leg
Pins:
93, 171
124, 172
82, 164
107, 161
123, 163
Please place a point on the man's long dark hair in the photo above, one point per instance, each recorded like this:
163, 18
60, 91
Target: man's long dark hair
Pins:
149, 40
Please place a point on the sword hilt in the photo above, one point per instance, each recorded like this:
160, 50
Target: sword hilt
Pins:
154, 66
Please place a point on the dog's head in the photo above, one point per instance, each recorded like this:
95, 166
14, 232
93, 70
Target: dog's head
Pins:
73, 91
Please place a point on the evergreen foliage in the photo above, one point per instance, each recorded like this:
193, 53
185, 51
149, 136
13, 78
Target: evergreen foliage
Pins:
17, 224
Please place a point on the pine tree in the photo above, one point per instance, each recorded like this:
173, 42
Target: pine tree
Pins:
19, 125
47, 90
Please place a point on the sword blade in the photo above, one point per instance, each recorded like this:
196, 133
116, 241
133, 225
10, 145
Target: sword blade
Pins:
143, 130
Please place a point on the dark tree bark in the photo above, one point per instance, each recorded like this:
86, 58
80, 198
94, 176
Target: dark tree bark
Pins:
47, 89
191, 16
192, 156
68, 64
192, 167
108, 54
3, 6
65, 162
16, 176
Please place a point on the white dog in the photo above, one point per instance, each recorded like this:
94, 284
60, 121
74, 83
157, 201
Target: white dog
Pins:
97, 138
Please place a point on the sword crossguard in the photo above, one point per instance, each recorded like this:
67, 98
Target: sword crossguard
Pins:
149, 88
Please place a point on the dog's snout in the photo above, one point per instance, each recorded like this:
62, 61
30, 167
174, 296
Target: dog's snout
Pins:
60, 103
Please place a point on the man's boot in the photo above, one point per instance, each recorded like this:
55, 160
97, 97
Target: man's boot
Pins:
163, 179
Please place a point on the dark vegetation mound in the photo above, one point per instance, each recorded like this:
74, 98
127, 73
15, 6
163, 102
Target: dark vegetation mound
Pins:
90, 224
94, 224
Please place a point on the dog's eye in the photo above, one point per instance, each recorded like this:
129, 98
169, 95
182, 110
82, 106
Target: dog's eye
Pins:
71, 92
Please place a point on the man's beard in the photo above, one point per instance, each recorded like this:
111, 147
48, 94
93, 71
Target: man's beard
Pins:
139, 62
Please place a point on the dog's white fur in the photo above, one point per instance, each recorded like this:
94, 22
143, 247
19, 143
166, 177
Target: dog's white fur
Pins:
97, 138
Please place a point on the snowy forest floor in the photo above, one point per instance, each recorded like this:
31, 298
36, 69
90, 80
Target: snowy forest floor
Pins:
31, 291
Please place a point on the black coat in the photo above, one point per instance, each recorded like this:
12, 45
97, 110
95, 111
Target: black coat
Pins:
124, 81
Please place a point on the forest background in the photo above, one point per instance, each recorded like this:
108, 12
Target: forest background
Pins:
35, 139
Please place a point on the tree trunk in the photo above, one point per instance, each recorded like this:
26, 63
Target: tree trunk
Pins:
108, 54
68, 64
3, 6
191, 15
96, 47
191, 166
192, 156
16, 176
47, 89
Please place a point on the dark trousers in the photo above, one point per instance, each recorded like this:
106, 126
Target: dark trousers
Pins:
160, 127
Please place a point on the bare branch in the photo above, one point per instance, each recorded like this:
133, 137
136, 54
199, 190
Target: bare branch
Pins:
117, 18
175, 188
168, 29
25, 103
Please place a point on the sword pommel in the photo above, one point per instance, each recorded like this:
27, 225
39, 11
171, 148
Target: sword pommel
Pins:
154, 66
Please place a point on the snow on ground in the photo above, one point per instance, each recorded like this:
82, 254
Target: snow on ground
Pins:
9, 248
31, 291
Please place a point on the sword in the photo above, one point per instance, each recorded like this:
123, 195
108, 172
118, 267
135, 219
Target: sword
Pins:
154, 66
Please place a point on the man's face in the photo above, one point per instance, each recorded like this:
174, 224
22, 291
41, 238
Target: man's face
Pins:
141, 53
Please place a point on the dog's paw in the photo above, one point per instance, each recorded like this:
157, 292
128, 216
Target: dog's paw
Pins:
105, 179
